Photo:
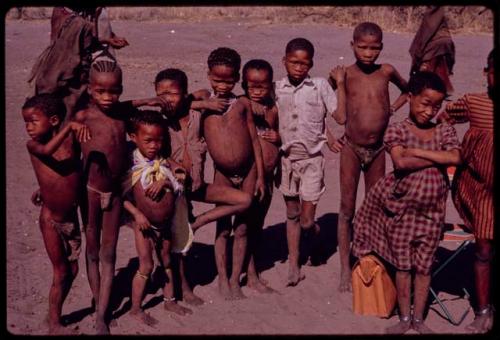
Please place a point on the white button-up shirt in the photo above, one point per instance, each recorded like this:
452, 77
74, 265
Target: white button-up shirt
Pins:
302, 111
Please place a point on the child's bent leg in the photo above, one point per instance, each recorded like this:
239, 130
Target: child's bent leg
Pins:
483, 322
350, 168
229, 201
187, 293
107, 258
144, 251
63, 272
293, 239
170, 303
403, 285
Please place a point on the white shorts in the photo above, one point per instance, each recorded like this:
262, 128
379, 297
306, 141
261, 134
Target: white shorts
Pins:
303, 178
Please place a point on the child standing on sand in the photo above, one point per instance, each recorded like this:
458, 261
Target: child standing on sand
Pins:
402, 216
364, 105
302, 102
472, 188
55, 157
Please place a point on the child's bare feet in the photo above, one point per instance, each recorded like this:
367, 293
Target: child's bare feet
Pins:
483, 322
101, 327
236, 292
224, 289
420, 327
401, 327
143, 317
191, 299
58, 329
294, 276
173, 306
345, 281
260, 285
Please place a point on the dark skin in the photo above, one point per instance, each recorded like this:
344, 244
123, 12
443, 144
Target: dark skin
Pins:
259, 86
54, 155
484, 247
153, 206
423, 107
104, 167
234, 146
364, 106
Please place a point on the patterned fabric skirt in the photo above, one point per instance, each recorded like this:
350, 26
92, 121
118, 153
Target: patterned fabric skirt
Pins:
472, 188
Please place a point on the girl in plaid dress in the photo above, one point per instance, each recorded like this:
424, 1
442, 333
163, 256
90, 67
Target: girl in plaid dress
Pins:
402, 216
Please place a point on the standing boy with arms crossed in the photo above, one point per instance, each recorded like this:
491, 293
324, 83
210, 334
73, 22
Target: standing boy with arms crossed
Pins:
302, 103
364, 104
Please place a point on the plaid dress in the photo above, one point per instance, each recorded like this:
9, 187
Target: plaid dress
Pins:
402, 215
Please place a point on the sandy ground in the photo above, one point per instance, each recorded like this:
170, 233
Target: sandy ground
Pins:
314, 306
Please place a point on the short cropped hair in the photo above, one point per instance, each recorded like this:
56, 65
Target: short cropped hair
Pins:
146, 117
225, 56
300, 44
367, 28
105, 66
425, 80
256, 64
50, 104
173, 74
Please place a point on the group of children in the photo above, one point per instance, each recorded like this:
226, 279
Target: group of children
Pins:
272, 135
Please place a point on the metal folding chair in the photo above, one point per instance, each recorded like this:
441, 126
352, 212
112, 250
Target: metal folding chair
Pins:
457, 234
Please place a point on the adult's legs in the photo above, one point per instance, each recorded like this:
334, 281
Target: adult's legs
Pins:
403, 286
422, 283
350, 168
187, 293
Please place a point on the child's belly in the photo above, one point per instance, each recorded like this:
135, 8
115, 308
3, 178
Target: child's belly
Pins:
229, 143
366, 128
157, 212
269, 155
61, 195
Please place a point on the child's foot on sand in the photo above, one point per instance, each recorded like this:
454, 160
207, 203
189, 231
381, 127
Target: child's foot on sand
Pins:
345, 281
143, 317
236, 292
260, 286
101, 328
401, 327
482, 323
173, 306
191, 299
59, 329
294, 276
420, 327
224, 289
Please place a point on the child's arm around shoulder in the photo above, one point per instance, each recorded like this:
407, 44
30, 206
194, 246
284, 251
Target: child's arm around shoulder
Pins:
401, 83
39, 149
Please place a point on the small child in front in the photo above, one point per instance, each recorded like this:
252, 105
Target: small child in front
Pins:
152, 186
258, 85
55, 157
303, 102
233, 144
402, 216
105, 164
364, 105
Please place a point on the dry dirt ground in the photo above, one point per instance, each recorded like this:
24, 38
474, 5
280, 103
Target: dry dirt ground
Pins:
314, 306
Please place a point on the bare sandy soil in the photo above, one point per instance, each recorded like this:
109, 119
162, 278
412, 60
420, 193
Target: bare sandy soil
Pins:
314, 306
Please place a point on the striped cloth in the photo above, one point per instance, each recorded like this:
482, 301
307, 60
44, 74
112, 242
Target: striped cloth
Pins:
402, 216
472, 188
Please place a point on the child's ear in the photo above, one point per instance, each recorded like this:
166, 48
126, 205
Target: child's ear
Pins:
120, 89
408, 97
381, 46
284, 60
209, 74
352, 45
238, 77
54, 120
132, 137
312, 64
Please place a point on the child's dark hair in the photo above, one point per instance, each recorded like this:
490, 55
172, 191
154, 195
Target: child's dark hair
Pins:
50, 104
300, 44
225, 56
146, 117
256, 64
105, 66
173, 74
367, 28
425, 80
